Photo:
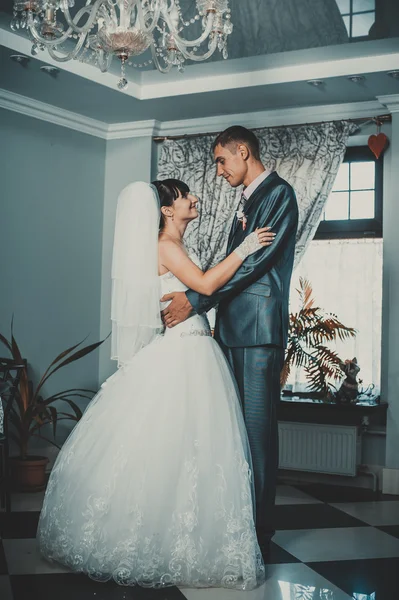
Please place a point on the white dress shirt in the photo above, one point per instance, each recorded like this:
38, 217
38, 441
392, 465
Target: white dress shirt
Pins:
249, 190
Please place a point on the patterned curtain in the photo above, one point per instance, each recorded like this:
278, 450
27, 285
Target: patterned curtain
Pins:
308, 157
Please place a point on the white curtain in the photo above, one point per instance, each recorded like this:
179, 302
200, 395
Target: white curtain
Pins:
308, 157
346, 276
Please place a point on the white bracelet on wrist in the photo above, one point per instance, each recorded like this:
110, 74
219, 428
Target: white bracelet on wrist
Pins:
249, 246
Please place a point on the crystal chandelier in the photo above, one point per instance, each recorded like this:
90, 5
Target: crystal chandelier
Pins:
102, 29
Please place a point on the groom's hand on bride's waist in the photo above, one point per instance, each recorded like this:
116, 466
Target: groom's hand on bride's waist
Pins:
178, 310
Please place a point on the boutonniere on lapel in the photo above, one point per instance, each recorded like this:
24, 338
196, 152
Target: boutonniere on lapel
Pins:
240, 214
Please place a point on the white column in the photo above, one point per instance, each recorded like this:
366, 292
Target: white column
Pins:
391, 299
127, 160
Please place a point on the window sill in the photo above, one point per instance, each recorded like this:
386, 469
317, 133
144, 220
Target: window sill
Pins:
309, 410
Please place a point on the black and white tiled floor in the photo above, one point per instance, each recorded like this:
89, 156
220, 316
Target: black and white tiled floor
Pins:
331, 544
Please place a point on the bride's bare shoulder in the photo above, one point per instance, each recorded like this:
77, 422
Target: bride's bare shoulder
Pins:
167, 245
170, 252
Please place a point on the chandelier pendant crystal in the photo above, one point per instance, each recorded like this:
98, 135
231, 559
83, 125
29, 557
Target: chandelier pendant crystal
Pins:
102, 29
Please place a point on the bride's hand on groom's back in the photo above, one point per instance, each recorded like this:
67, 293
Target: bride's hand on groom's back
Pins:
178, 310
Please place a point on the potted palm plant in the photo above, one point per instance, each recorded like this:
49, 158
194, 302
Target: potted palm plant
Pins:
31, 410
310, 331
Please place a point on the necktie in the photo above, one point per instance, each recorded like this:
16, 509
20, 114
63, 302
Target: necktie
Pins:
242, 202
240, 214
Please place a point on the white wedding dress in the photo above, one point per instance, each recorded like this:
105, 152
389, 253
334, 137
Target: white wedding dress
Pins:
153, 486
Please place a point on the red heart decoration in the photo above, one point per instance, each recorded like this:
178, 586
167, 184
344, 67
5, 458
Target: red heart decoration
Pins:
377, 144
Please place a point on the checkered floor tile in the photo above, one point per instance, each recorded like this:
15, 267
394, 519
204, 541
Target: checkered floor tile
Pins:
331, 543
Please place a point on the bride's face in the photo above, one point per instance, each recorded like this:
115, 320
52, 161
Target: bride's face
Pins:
185, 207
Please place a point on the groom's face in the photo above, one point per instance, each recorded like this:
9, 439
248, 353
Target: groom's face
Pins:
231, 163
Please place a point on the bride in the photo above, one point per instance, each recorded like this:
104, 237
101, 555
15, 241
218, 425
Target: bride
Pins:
153, 486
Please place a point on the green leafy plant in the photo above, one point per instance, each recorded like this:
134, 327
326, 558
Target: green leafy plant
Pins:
310, 330
31, 410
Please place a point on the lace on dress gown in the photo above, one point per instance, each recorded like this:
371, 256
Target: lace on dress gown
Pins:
153, 486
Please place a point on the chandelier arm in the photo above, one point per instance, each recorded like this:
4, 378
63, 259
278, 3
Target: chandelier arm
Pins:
123, 13
123, 22
158, 65
108, 9
104, 63
155, 18
190, 43
43, 40
197, 57
70, 55
72, 22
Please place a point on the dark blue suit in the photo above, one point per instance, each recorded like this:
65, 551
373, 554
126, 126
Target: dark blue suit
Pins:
252, 328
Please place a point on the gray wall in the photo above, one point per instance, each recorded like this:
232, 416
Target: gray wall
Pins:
52, 194
126, 161
390, 360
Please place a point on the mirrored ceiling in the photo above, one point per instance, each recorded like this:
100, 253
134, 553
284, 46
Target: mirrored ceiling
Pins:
263, 27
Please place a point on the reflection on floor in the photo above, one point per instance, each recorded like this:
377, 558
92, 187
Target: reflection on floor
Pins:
331, 544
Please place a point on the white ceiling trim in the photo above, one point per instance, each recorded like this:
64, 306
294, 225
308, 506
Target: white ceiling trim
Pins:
21, 44
52, 114
391, 101
270, 75
268, 118
256, 71
119, 131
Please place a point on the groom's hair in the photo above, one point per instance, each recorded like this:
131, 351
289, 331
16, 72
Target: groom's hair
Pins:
238, 135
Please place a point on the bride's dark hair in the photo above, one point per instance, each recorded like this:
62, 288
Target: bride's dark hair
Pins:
168, 191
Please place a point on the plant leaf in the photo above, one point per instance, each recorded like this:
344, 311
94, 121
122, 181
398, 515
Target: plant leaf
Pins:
54, 417
74, 407
5, 341
68, 416
285, 372
57, 359
310, 329
55, 397
76, 356
66, 352
15, 349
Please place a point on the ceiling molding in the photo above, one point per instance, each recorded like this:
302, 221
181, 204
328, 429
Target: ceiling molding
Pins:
268, 75
270, 118
52, 114
391, 101
70, 120
285, 67
148, 128
22, 45
119, 131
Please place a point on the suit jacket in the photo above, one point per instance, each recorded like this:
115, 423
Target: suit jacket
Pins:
253, 305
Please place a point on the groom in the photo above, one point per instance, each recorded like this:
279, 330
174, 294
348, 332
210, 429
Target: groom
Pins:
252, 319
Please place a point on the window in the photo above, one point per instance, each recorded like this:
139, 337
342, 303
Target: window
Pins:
358, 16
354, 208
344, 264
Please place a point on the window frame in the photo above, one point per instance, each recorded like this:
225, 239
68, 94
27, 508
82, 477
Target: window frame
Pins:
352, 13
358, 228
